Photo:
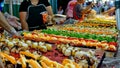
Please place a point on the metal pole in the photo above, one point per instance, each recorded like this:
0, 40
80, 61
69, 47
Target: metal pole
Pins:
117, 5
10, 6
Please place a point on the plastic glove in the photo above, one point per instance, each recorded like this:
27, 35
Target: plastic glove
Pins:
13, 32
13, 21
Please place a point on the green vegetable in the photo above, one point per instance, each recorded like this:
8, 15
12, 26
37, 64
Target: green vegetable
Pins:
107, 38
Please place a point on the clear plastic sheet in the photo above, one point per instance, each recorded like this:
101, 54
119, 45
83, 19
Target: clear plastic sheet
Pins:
111, 63
70, 21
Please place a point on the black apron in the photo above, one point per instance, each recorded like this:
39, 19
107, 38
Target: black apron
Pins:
34, 17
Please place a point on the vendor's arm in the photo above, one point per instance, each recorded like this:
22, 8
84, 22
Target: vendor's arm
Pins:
6, 26
23, 20
48, 7
87, 9
109, 11
23, 14
49, 10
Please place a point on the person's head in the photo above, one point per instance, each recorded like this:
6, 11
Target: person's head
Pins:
80, 1
60, 8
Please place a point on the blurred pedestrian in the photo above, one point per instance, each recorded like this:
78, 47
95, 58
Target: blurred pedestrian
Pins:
69, 10
79, 11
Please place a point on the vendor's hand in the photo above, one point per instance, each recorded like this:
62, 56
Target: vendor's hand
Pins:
13, 17
92, 4
104, 13
49, 18
53, 19
14, 32
13, 21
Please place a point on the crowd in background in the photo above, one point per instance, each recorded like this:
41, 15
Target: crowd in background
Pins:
99, 6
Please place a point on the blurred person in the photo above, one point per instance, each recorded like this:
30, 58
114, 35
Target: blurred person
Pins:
99, 4
105, 6
110, 11
60, 10
96, 8
64, 4
69, 10
79, 11
111, 3
34, 14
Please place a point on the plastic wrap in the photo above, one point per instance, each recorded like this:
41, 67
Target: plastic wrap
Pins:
111, 63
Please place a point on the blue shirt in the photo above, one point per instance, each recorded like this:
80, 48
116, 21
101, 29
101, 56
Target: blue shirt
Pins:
1, 4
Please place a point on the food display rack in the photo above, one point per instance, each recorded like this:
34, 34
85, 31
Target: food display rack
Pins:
99, 21
50, 54
55, 55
